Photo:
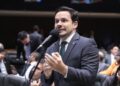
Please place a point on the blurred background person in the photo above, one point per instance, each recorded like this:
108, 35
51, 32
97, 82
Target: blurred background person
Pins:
28, 66
110, 57
113, 80
26, 44
31, 64
110, 70
37, 32
102, 65
37, 76
4, 64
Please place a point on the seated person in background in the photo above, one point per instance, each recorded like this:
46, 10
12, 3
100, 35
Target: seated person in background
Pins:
26, 44
28, 66
102, 65
110, 58
111, 70
4, 65
31, 63
113, 80
36, 79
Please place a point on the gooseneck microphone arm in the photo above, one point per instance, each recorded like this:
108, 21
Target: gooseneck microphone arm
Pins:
41, 45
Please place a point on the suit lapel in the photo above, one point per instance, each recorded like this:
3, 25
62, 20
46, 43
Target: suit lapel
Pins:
56, 48
71, 45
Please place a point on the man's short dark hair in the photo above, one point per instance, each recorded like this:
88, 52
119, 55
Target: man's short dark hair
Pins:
74, 14
22, 35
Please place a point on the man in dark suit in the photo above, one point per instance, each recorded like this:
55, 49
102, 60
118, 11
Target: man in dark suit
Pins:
4, 64
37, 32
74, 58
27, 43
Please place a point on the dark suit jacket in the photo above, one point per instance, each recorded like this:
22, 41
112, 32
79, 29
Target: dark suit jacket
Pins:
35, 41
12, 80
35, 33
109, 81
81, 57
26, 66
108, 59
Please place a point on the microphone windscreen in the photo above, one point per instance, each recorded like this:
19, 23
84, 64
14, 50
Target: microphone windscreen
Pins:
54, 32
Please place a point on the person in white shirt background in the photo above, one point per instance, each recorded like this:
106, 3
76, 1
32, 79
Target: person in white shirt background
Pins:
4, 66
110, 58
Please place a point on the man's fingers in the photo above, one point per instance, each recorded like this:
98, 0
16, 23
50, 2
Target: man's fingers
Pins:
51, 58
49, 61
57, 56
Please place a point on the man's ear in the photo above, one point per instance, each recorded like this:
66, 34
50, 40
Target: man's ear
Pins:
75, 24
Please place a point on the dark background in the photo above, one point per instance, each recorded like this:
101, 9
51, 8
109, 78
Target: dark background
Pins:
51, 5
106, 30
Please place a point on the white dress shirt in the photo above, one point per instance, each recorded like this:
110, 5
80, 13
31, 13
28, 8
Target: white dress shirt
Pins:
32, 64
2, 67
68, 39
112, 58
27, 49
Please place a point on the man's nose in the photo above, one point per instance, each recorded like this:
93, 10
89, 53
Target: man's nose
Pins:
59, 24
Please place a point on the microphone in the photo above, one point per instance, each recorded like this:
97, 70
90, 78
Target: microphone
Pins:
53, 34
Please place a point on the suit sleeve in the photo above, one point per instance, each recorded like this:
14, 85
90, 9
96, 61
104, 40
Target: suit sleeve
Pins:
89, 66
20, 50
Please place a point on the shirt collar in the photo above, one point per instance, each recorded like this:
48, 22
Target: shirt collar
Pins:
68, 39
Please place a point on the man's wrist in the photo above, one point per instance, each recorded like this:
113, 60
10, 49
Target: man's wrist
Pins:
65, 71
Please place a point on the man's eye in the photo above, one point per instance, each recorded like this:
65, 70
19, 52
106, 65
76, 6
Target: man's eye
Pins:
63, 20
